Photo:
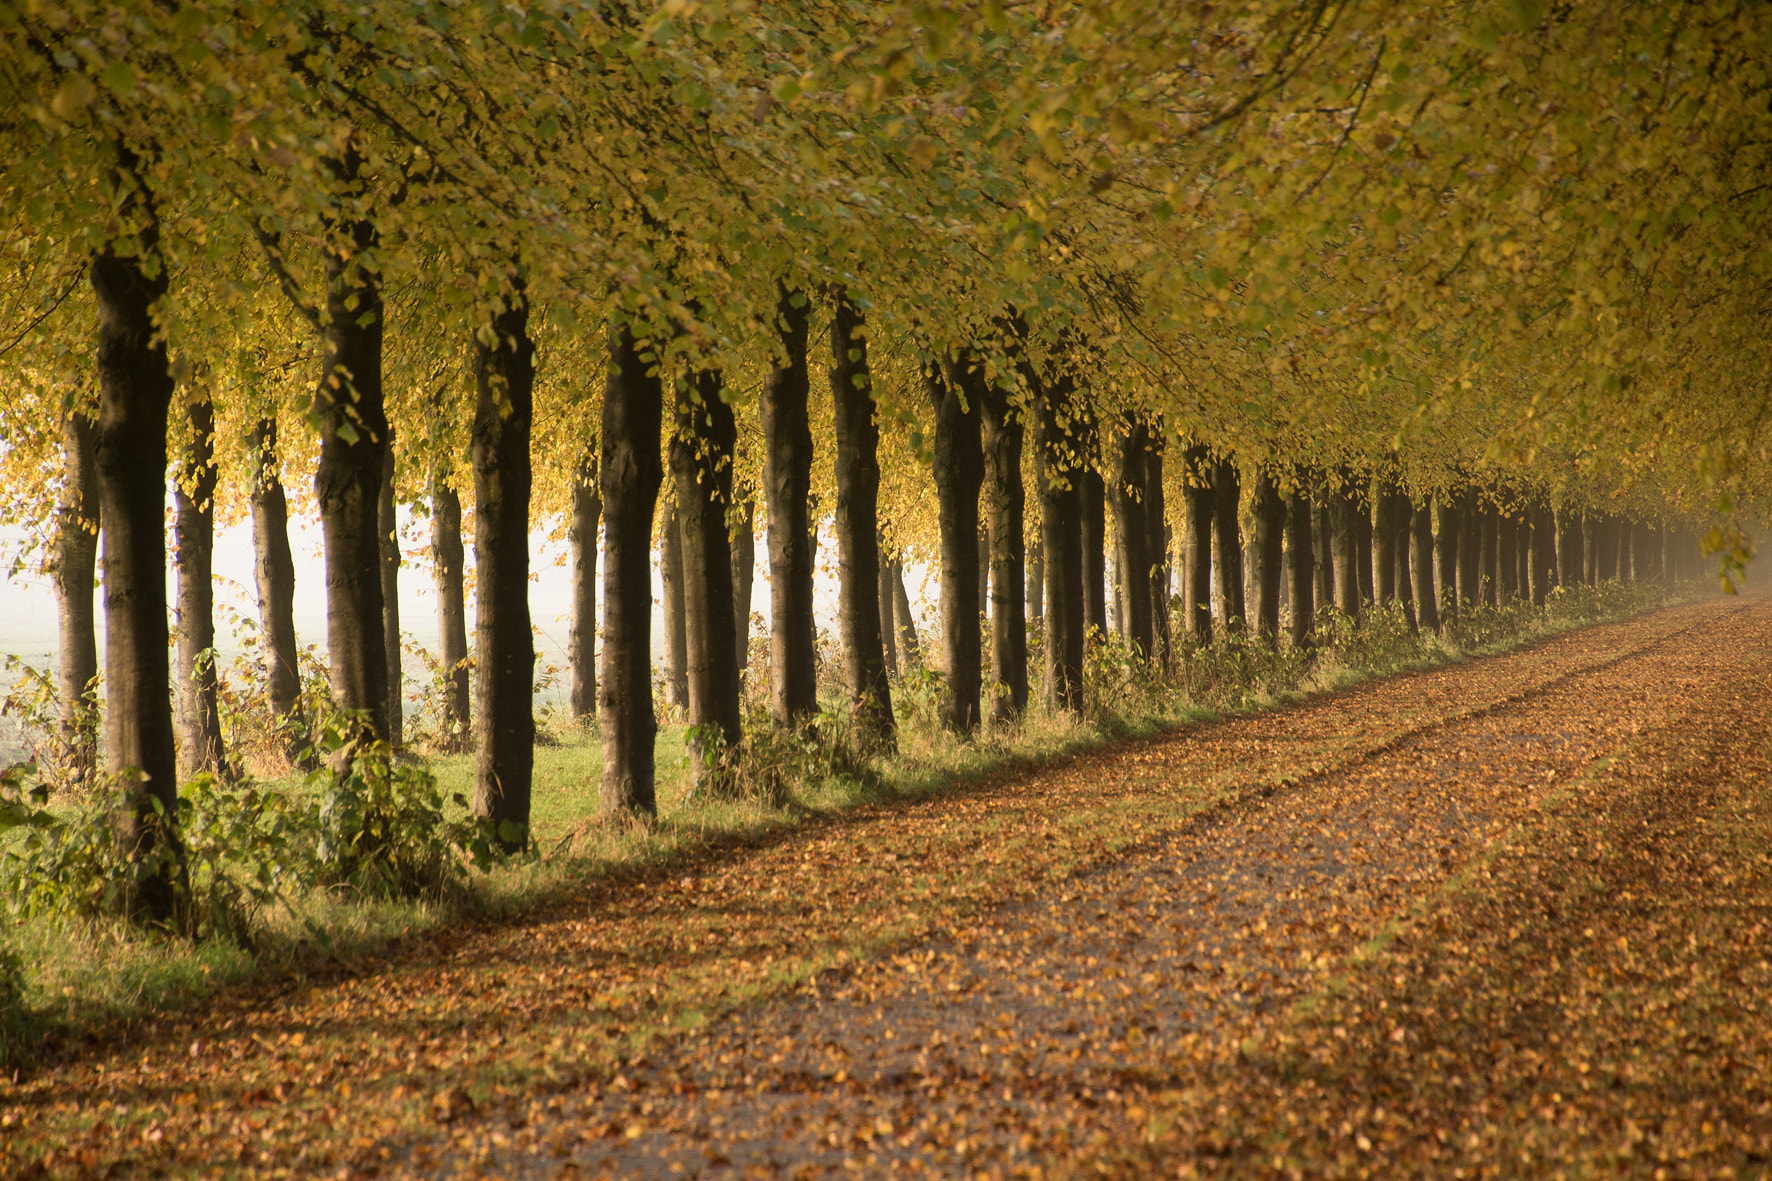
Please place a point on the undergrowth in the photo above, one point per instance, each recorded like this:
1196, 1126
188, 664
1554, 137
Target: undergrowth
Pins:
293, 872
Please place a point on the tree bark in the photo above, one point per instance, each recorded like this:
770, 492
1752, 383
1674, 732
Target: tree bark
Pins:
1324, 514
1133, 537
670, 577
1005, 504
1344, 543
1156, 525
904, 623
959, 475
701, 452
1094, 526
883, 599
1446, 547
1384, 541
1360, 519
1544, 552
744, 570
1470, 548
1571, 570
1605, 548
581, 642
1270, 535
504, 648
858, 524
347, 482
1061, 536
1507, 560
1303, 567
200, 738
73, 568
1227, 531
135, 394
631, 473
448, 569
387, 533
787, 477
1490, 577
274, 577
1401, 515
1197, 503
1421, 563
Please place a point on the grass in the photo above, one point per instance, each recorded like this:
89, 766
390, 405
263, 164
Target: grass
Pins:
85, 975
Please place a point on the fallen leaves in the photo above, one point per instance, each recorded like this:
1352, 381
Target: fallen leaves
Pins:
1054, 966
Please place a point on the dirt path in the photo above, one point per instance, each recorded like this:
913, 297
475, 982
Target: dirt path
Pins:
1156, 959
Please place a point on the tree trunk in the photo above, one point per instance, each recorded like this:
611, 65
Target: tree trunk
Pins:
787, 478
273, 570
1384, 541
1324, 514
1605, 548
1401, 514
1360, 520
984, 562
883, 599
1590, 549
387, 531
1061, 537
504, 648
1227, 531
448, 568
347, 483
1197, 503
200, 737
1470, 548
1005, 503
1490, 577
1421, 566
631, 473
1094, 526
1543, 553
1132, 535
1571, 569
670, 577
135, 395
1344, 544
1507, 562
701, 452
1156, 526
904, 623
1303, 567
1116, 587
73, 568
581, 642
959, 474
858, 524
744, 571
1446, 549
1270, 535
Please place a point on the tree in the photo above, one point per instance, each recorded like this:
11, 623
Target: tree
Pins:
631, 472
1200, 509
1004, 509
504, 719
859, 609
952, 386
72, 571
273, 569
1061, 533
587, 512
787, 479
353, 445
135, 396
701, 452
198, 680
1270, 526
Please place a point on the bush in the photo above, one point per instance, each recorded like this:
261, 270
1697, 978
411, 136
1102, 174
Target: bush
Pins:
15, 1014
380, 828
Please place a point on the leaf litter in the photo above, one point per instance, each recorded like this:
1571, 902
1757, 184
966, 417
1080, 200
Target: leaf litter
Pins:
1237, 949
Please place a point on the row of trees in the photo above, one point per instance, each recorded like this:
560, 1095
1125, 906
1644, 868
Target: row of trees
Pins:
1473, 261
